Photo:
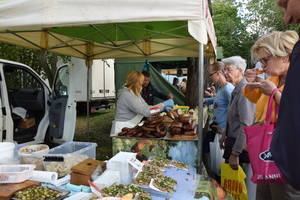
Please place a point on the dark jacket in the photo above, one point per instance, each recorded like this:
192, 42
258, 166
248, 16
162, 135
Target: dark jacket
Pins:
150, 92
285, 147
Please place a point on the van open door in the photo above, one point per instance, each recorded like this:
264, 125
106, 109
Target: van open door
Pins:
62, 113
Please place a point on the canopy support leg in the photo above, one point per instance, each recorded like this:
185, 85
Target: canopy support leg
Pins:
200, 105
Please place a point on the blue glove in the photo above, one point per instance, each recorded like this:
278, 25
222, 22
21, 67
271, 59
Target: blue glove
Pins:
168, 109
169, 103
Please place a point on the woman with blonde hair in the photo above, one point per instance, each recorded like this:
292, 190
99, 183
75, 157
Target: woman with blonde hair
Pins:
273, 51
131, 107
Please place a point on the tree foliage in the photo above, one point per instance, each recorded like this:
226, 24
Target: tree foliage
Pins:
265, 16
239, 23
231, 30
39, 60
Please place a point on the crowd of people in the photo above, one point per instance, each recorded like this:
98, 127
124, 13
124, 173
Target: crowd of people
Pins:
242, 100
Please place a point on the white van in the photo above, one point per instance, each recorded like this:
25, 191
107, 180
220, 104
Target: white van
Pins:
32, 112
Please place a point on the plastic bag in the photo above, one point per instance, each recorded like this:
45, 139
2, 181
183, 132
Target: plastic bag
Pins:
233, 182
216, 155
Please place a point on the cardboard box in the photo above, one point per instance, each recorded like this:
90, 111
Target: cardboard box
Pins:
82, 172
26, 123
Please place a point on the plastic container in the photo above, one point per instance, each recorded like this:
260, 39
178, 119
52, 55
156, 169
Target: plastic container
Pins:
33, 154
15, 173
120, 163
63, 157
6, 152
108, 178
87, 148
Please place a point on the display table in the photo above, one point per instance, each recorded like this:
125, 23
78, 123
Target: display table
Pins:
180, 150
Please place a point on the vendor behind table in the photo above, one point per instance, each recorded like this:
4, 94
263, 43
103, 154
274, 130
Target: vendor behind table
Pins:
131, 107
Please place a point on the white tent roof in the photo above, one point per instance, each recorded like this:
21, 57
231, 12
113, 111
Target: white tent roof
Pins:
30, 23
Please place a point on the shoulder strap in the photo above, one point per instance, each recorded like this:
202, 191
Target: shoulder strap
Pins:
270, 109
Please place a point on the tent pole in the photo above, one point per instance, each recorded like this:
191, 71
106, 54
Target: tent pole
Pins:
200, 105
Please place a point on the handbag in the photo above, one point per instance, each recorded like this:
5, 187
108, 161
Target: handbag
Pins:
258, 139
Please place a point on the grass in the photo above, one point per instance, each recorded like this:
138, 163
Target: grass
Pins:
98, 132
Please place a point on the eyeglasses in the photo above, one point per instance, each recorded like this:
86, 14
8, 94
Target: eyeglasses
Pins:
265, 60
210, 75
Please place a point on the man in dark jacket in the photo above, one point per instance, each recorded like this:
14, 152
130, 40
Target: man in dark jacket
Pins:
285, 145
149, 92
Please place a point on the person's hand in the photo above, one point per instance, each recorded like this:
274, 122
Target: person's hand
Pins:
170, 96
222, 141
208, 94
267, 87
250, 75
234, 162
210, 91
169, 103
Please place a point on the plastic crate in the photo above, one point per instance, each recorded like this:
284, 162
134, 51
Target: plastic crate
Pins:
63, 157
74, 148
15, 173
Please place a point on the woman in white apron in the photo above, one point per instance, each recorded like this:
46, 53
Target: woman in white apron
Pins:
131, 107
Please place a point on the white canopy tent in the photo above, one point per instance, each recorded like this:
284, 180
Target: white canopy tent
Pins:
92, 29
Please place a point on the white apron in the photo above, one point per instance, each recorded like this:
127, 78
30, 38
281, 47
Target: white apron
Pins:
118, 125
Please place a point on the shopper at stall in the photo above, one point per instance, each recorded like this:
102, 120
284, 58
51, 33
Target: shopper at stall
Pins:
149, 92
241, 113
182, 85
131, 107
273, 50
285, 146
223, 95
175, 83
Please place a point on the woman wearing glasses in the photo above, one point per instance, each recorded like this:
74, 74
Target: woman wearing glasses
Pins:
223, 95
241, 113
273, 51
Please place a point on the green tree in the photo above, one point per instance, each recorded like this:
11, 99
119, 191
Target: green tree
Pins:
264, 16
39, 60
231, 30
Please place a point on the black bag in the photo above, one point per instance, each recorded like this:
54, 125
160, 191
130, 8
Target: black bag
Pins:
229, 142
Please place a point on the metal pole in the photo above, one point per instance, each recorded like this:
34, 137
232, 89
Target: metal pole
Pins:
200, 104
88, 100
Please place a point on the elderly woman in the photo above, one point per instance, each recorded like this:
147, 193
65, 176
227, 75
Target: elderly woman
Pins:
273, 51
241, 113
131, 107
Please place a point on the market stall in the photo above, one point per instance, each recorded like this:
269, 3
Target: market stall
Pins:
100, 29
169, 135
69, 172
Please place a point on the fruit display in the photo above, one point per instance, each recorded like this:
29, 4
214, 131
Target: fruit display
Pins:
122, 190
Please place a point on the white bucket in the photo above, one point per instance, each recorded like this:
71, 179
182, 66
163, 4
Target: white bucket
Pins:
33, 154
6, 152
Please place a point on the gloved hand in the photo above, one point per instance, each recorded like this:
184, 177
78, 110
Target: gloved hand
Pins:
169, 103
168, 109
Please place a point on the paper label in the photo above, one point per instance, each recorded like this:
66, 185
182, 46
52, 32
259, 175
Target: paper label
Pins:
135, 163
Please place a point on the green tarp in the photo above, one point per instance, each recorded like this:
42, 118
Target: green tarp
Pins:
122, 68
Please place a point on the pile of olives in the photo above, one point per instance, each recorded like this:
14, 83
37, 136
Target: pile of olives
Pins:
37, 192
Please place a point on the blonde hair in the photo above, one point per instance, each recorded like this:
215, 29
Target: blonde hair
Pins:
277, 43
134, 82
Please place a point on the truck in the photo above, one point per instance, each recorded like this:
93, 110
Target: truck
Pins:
32, 112
101, 83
